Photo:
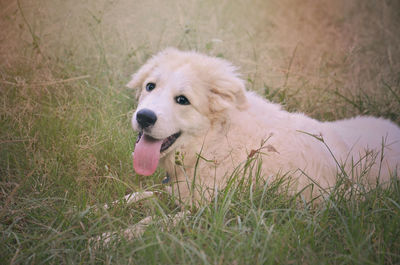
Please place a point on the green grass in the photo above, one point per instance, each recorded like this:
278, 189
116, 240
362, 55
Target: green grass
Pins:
66, 141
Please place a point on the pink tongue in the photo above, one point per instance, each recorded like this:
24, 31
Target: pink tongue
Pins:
146, 155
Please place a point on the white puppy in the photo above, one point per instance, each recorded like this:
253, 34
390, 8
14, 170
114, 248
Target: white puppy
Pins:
197, 122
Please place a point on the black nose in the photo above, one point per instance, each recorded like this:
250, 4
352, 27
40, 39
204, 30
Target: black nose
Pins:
146, 118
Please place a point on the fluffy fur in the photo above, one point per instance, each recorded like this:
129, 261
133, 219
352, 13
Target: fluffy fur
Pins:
226, 125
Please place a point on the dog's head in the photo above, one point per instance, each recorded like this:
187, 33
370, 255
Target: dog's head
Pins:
180, 95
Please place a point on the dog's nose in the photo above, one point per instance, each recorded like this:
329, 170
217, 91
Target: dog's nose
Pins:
146, 118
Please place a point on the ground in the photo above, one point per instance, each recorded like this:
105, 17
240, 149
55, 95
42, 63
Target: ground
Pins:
65, 136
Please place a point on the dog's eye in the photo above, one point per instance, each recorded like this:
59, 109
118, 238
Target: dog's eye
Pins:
182, 100
150, 86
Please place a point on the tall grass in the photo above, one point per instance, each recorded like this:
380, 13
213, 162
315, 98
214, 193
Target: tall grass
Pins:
65, 137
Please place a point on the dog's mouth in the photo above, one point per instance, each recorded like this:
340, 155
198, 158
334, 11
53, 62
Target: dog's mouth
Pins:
166, 143
148, 151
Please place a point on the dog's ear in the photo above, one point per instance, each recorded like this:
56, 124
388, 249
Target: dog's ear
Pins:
139, 77
227, 93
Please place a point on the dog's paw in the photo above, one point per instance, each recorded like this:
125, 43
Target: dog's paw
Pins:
130, 233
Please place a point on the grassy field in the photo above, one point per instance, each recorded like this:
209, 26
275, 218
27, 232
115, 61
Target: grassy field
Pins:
65, 136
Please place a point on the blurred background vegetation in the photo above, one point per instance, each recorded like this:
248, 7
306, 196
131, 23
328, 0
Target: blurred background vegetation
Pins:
308, 53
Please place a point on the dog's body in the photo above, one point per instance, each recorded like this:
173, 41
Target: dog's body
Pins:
195, 109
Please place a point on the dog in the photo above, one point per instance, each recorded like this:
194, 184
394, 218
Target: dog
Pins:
196, 120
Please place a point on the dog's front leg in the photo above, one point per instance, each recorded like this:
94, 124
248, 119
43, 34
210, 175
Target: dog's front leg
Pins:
133, 231
132, 197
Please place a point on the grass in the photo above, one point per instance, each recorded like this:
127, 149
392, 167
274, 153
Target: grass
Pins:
65, 136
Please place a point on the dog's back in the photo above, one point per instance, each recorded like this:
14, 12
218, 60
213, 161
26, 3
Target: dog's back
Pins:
372, 141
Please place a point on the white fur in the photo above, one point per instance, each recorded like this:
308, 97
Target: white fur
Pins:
226, 125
